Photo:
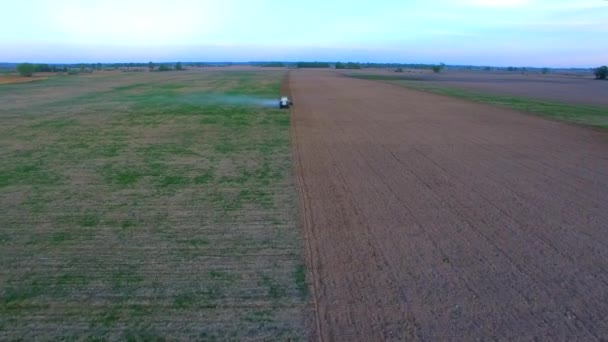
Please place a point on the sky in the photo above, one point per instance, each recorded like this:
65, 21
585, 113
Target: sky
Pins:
552, 33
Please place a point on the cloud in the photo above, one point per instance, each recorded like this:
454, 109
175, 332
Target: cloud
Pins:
474, 30
497, 3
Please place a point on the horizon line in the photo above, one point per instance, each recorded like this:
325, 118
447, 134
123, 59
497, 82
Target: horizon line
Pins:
305, 61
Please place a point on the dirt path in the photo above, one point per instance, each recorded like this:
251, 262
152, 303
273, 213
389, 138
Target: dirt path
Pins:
432, 218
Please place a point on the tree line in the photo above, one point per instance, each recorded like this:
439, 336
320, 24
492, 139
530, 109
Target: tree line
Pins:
349, 65
165, 66
28, 69
313, 65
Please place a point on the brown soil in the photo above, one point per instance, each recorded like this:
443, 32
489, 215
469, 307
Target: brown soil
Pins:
580, 89
19, 79
432, 218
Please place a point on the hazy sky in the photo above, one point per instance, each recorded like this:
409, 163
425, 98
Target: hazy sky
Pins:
498, 32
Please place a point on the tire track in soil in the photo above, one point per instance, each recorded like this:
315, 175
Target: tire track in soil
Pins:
428, 218
304, 217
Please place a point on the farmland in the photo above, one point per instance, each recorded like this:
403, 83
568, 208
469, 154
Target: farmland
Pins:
17, 79
571, 88
570, 98
184, 205
147, 206
435, 218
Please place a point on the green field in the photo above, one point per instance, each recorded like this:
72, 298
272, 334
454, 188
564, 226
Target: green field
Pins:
580, 114
149, 206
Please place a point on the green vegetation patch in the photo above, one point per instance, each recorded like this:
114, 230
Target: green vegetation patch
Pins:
54, 124
125, 175
142, 206
300, 279
28, 173
173, 180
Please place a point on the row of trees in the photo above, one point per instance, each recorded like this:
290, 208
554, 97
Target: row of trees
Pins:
349, 65
270, 64
397, 65
313, 65
164, 66
28, 69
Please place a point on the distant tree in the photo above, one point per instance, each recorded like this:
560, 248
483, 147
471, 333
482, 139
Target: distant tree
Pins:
438, 68
399, 70
178, 66
163, 67
65, 69
601, 73
487, 68
312, 65
349, 65
272, 64
42, 68
151, 66
26, 69
545, 71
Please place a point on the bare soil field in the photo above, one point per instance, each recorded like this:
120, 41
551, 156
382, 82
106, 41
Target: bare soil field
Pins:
6, 79
574, 89
433, 218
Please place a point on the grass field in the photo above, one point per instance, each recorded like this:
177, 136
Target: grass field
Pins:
580, 114
148, 206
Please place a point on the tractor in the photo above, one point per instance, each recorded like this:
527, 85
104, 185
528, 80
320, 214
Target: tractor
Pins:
284, 102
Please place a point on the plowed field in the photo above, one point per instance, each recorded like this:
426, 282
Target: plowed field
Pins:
433, 218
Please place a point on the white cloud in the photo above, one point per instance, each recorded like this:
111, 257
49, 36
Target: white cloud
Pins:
417, 30
498, 3
139, 23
